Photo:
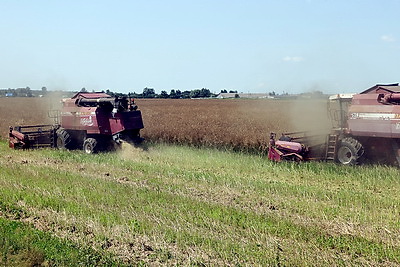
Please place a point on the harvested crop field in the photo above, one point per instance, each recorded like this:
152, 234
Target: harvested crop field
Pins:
237, 124
176, 205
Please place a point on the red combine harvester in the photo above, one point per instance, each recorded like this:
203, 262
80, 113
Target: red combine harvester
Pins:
91, 121
366, 128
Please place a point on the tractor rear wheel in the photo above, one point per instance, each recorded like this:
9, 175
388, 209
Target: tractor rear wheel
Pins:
63, 139
350, 152
90, 146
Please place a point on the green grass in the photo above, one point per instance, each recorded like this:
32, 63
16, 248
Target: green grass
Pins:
22, 245
180, 205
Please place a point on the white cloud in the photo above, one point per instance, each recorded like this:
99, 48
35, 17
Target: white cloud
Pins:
388, 38
293, 59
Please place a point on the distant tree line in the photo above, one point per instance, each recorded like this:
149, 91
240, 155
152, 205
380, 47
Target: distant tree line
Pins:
146, 93
22, 92
230, 91
173, 94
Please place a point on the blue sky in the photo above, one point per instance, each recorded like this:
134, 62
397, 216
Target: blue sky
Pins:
248, 46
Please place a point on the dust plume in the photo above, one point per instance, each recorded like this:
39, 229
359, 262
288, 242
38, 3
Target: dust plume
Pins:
310, 115
130, 152
52, 104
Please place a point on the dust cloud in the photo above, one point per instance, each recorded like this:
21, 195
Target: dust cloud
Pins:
53, 105
130, 152
310, 115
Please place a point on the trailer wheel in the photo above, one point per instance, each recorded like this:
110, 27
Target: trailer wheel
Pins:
63, 139
90, 146
350, 152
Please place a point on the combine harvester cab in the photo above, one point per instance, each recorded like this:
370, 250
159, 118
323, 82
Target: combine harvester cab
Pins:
90, 121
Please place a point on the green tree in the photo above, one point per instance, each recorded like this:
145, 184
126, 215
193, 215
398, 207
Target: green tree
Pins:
164, 94
108, 92
195, 93
204, 92
136, 95
186, 94
172, 94
178, 94
28, 92
149, 92
175, 94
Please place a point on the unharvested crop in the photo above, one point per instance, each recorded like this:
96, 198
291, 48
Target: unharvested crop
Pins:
238, 124
26, 111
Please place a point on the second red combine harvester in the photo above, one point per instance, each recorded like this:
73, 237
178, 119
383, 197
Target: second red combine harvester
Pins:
91, 121
366, 129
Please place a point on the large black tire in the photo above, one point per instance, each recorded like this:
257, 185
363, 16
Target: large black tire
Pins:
350, 152
90, 146
63, 139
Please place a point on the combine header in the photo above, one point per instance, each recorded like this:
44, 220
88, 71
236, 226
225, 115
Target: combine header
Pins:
366, 128
286, 149
91, 121
32, 136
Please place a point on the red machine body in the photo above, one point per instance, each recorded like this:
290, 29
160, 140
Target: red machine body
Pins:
291, 147
375, 115
98, 113
92, 121
285, 149
367, 128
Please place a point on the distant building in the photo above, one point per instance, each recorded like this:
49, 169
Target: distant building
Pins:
383, 88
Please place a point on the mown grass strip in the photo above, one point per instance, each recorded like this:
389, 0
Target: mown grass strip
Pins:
22, 245
164, 210
91, 198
